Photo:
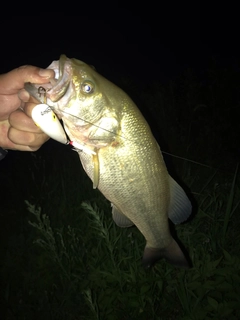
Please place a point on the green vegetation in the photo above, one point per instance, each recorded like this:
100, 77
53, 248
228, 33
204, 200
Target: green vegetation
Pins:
62, 256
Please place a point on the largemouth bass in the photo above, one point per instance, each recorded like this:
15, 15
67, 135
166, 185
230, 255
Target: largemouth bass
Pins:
119, 154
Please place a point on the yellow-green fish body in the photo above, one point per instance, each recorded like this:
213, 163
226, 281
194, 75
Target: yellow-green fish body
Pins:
120, 156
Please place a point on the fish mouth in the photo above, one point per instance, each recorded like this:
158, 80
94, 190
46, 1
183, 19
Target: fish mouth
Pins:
57, 88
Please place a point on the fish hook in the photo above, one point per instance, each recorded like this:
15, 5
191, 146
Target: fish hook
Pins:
42, 91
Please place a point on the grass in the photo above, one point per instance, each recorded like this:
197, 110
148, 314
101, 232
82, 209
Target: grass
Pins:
64, 258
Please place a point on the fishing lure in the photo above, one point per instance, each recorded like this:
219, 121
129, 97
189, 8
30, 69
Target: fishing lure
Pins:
48, 122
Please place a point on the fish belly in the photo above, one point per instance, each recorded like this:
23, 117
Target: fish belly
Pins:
136, 181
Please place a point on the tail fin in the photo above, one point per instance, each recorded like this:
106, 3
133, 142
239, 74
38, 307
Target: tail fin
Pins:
173, 254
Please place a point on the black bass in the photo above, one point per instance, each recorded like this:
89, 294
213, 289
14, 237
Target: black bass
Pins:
119, 154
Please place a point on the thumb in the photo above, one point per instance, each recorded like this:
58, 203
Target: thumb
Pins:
15, 79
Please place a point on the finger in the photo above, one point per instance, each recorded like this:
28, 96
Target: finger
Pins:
23, 95
24, 74
28, 107
21, 121
6, 107
26, 141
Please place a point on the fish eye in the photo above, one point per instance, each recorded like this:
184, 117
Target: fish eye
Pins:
87, 87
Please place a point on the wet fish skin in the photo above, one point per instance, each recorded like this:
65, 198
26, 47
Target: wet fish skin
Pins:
131, 172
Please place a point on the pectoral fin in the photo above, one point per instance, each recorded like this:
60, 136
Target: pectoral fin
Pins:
95, 171
120, 219
180, 206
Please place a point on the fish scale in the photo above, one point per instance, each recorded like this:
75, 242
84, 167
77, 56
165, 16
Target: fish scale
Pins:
124, 160
141, 179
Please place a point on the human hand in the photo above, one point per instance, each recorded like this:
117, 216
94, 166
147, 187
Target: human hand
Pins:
17, 129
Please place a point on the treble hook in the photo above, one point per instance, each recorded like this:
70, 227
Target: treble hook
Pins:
41, 91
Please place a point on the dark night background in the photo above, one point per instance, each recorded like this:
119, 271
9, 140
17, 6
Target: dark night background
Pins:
138, 47
194, 51
141, 46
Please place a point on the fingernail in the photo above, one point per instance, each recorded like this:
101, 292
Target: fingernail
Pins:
46, 73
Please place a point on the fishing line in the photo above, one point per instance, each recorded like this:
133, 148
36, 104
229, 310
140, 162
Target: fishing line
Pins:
121, 136
93, 124
42, 91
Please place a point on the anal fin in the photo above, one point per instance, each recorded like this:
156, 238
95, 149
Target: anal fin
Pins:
180, 206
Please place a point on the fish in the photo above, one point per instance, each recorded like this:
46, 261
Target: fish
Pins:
120, 155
